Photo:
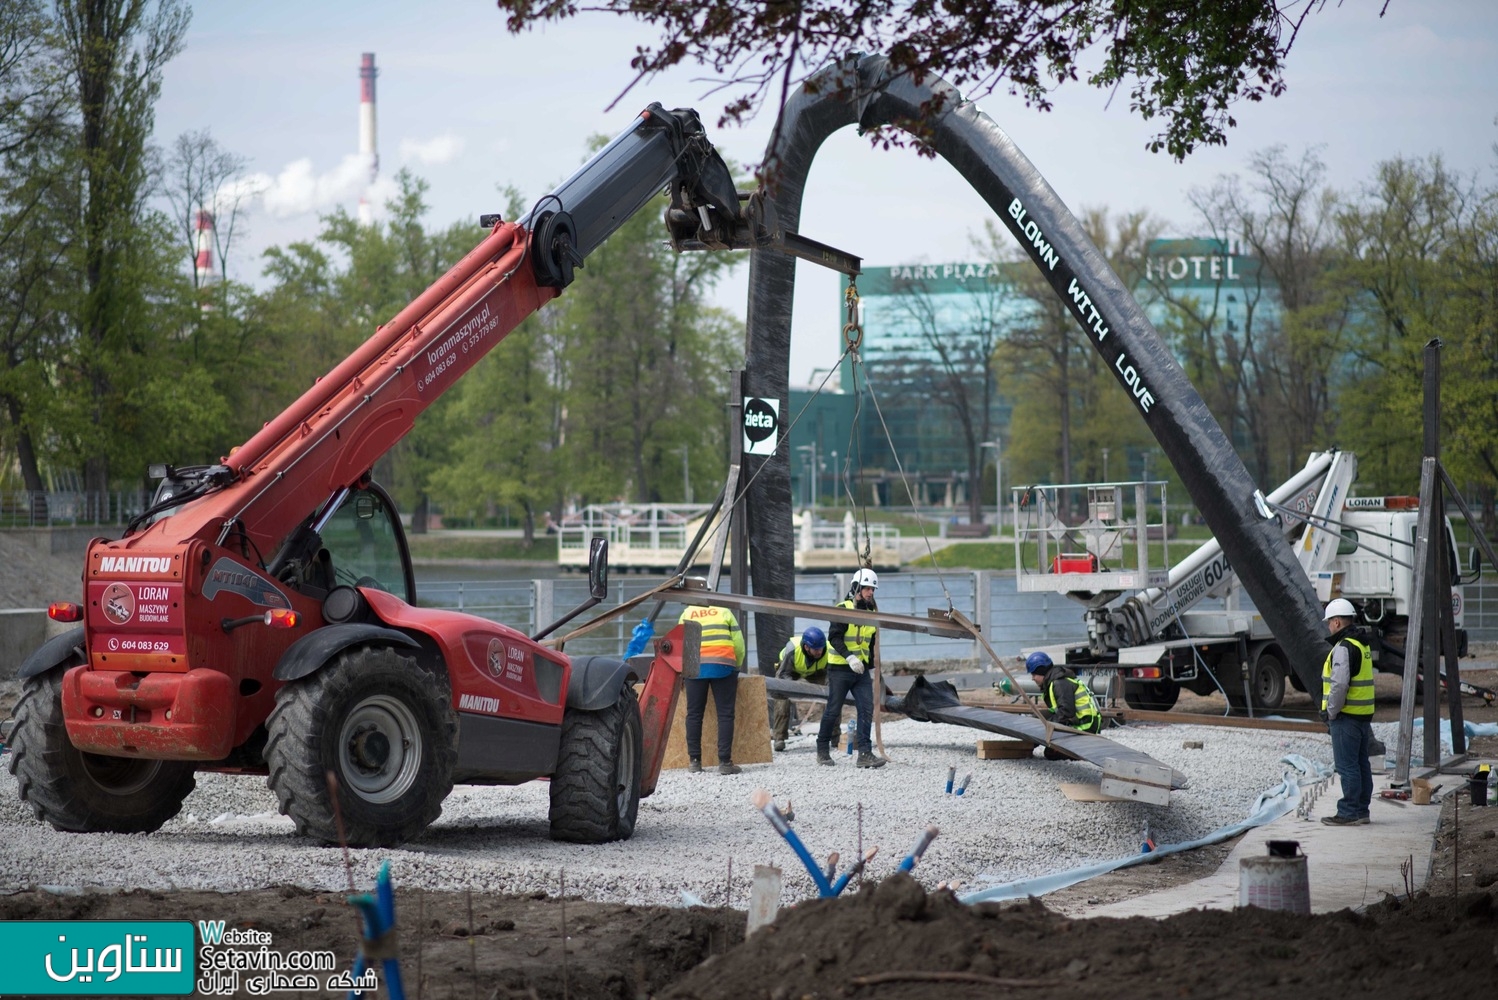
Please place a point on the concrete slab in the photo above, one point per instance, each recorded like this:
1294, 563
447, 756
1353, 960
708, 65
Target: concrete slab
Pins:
1346, 866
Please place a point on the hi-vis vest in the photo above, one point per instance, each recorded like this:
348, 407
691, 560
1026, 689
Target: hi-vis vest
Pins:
722, 641
1359, 684
1088, 719
801, 664
859, 639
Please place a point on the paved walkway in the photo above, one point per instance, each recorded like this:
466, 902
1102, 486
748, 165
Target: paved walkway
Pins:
1346, 866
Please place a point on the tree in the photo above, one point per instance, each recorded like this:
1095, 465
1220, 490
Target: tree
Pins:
1255, 340
114, 53
506, 428
205, 183
327, 298
1066, 403
1419, 260
34, 230
1184, 63
644, 362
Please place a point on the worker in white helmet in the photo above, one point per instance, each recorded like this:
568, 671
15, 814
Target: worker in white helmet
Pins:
850, 649
1347, 710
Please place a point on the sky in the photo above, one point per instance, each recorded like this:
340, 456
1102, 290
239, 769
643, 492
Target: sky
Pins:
472, 109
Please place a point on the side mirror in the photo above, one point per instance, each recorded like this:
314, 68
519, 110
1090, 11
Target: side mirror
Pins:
1474, 566
598, 586
598, 568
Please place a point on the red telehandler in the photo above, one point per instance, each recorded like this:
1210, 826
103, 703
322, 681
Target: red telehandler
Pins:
259, 616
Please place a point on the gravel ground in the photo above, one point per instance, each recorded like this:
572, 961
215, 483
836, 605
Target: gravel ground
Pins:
1013, 822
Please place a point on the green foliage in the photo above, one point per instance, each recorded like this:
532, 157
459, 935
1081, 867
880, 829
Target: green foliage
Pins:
1419, 261
459, 546
328, 297
1067, 406
643, 367
1187, 64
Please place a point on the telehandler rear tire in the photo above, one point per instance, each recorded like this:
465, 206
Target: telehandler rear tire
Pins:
386, 730
80, 792
595, 792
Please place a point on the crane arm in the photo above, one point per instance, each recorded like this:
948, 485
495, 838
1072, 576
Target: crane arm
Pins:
333, 434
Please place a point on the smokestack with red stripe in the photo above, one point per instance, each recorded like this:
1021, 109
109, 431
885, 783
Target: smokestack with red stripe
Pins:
203, 261
367, 147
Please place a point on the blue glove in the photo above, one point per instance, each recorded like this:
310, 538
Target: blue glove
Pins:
642, 634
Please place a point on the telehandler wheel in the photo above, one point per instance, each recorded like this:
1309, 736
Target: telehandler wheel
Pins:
387, 731
1152, 696
84, 792
595, 792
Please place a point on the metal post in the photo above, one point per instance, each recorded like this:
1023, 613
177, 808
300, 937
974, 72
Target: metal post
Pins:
686, 474
809, 473
816, 477
1437, 588
738, 574
1415, 636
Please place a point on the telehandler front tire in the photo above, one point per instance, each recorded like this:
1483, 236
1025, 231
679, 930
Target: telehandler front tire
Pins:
386, 730
81, 792
595, 792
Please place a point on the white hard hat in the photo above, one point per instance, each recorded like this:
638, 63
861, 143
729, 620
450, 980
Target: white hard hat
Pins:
1340, 608
866, 578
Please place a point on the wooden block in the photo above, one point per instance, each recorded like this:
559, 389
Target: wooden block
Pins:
1133, 780
751, 728
1087, 793
1004, 749
764, 894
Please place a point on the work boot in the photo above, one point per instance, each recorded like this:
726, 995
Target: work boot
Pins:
779, 745
825, 757
695, 765
869, 760
729, 767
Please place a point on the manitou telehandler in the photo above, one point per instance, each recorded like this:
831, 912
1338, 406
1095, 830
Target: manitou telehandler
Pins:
260, 615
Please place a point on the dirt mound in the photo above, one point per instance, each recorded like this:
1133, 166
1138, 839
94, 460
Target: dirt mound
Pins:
32, 577
910, 944
452, 945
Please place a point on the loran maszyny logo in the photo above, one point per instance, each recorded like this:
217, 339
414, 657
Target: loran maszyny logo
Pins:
98, 957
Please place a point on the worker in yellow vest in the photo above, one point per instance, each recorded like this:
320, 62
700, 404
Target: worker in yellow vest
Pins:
1347, 710
721, 660
803, 659
850, 652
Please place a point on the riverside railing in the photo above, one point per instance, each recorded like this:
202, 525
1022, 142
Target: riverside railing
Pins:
37, 509
1010, 619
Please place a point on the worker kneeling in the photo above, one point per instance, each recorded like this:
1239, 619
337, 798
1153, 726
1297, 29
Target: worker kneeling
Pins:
1066, 695
803, 659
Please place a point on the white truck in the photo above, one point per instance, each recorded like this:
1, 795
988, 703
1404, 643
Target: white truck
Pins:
1157, 640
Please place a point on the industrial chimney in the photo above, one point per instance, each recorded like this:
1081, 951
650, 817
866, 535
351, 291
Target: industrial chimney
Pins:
367, 148
203, 260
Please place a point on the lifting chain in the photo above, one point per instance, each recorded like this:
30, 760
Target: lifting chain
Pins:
853, 329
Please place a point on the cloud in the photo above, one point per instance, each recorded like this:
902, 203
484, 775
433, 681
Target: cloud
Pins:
430, 152
298, 189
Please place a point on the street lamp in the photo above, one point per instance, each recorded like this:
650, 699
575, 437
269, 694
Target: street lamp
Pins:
998, 483
686, 474
1105, 465
811, 472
